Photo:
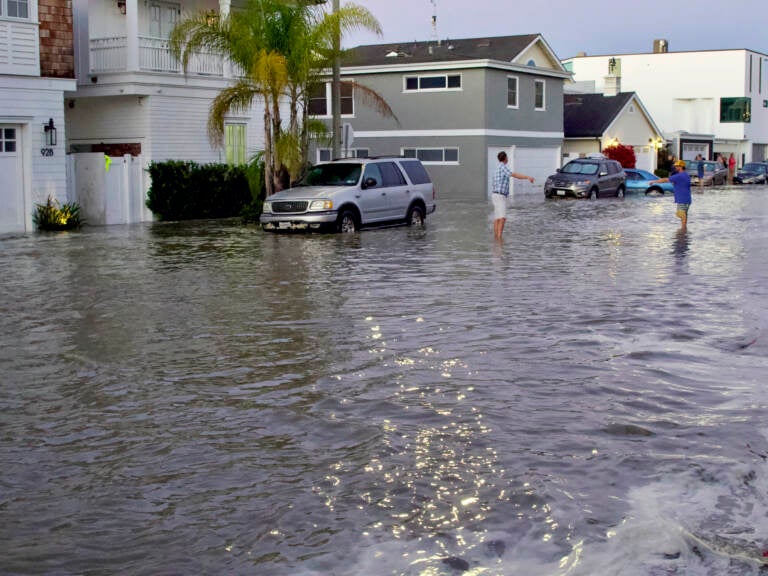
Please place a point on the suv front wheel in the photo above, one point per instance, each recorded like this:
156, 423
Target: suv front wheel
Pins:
347, 222
620, 192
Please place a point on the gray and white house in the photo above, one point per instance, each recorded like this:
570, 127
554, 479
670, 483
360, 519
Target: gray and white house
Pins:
457, 103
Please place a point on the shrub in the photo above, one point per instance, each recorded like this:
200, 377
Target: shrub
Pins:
661, 172
254, 172
624, 155
187, 190
52, 216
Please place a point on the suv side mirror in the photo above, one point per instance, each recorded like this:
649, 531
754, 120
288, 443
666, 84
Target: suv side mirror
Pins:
370, 182
603, 173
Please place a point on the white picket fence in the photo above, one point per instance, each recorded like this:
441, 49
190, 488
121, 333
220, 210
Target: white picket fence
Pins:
112, 192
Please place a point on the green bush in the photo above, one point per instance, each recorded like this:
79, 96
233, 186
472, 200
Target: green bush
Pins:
52, 216
254, 172
661, 172
187, 190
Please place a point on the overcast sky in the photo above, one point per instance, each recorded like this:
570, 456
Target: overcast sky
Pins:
591, 26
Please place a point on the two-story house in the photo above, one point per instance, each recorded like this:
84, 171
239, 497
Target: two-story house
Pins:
134, 98
707, 101
456, 103
36, 68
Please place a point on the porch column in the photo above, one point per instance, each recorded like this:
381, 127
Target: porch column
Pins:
224, 6
132, 35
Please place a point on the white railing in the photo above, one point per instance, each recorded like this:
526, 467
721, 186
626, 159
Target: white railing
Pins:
110, 55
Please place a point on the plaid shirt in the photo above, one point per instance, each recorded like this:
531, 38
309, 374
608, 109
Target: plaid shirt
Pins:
501, 179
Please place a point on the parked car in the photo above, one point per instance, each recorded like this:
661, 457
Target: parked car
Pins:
714, 172
752, 173
346, 195
640, 181
591, 177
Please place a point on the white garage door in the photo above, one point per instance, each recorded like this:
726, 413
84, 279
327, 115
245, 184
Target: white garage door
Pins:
536, 162
11, 185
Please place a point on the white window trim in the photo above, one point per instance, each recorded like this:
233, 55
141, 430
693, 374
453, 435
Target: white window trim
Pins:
351, 151
543, 95
516, 105
244, 126
432, 163
31, 12
446, 89
329, 104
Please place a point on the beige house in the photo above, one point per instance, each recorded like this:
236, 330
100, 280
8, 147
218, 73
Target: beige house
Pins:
593, 122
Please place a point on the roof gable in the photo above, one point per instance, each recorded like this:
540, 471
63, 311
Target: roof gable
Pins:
590, 115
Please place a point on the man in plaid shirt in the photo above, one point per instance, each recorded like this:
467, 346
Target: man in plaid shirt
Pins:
501, 193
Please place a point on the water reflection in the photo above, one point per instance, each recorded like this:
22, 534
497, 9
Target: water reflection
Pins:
178, 398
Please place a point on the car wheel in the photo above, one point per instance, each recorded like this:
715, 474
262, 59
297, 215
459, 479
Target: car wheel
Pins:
654, 190
620, 192
593, 193
346, 223
415, 217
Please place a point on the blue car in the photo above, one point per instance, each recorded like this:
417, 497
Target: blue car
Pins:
640, 181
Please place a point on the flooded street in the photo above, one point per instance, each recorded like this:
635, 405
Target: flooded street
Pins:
587, 398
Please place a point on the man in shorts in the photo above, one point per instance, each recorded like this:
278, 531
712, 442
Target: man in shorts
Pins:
681, 188
501, 193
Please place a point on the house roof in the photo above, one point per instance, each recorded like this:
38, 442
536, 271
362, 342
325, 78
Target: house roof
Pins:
504, 48
590, 115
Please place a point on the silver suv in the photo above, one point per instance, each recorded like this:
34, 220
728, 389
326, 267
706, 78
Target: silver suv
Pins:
345, 195
587, 178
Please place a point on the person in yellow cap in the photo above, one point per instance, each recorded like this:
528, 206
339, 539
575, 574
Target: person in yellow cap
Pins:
681, 188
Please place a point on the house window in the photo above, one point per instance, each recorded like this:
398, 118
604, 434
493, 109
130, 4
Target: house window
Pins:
234, 135
433, 155
15, 8
539, 95
320, 99
324, 154
7, 140
512, 91
735, 110
432, 83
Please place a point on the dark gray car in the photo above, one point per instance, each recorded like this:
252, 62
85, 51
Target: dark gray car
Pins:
587, 178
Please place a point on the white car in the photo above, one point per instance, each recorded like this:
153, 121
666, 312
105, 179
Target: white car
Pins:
346, 195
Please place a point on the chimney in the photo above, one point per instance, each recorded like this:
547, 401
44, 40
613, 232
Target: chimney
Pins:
612, 82
660, 46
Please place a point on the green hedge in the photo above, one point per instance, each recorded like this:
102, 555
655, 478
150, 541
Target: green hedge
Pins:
188, 190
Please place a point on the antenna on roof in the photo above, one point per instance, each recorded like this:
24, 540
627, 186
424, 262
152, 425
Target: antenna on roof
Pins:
434, 36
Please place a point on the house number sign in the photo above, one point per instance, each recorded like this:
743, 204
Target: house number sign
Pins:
46, 151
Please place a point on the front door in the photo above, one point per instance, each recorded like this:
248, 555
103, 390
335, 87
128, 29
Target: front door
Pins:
12, 213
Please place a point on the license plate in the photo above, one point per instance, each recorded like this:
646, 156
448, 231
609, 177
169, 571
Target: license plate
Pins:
284, 225
560, 192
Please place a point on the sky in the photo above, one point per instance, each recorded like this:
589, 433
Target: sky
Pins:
592, 26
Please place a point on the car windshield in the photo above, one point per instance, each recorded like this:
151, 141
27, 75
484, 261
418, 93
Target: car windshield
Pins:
580, 168
751, 167
337, 174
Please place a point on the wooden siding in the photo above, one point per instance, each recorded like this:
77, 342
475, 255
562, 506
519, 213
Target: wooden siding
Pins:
57, 55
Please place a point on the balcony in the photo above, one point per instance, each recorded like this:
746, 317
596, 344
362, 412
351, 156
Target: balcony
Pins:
111, 54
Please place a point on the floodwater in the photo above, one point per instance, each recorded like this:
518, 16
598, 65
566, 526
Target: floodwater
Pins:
587, 398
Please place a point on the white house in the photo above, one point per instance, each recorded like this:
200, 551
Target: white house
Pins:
35, 71
708, 101
133, 97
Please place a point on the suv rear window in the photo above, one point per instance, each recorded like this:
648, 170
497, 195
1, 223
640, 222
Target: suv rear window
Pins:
416, 172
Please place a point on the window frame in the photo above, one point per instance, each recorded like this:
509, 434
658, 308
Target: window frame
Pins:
516, 105
26, 3
419, 77
236, 152
328, 105
366, 152
5, 139
416, 149
746, 110
536, 84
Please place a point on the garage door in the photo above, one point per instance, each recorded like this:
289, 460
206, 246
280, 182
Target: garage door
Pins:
11, 185
536, 162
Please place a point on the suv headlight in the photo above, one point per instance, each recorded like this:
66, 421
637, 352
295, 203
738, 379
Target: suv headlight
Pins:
267, 208
582, 183
317, 205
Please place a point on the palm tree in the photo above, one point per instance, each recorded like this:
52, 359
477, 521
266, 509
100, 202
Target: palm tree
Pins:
279, 48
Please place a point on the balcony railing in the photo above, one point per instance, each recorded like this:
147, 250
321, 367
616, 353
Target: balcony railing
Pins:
111, 55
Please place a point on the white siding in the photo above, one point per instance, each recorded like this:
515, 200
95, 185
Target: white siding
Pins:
31, 103
19, 48
118, 119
